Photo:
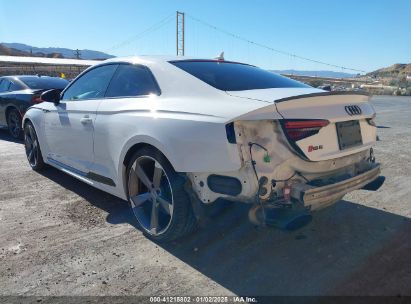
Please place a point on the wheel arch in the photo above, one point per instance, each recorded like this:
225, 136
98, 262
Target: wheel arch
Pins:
133, 149
129, 151
26, 120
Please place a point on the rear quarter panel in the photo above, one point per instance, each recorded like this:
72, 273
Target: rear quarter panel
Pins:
191, 142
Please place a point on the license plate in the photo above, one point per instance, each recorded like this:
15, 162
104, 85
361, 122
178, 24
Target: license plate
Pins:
349, 134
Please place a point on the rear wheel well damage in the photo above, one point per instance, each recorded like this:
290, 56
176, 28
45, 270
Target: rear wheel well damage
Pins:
267, 159
262, 149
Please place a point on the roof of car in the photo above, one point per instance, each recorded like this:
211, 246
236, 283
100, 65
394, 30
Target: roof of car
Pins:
158, 58
143, 59
19, 77
155, 59
33, 76
28, 76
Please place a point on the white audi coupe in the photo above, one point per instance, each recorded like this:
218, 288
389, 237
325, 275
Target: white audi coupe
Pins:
173, 135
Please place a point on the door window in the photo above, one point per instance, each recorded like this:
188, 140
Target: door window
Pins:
91, 85
15, 87
132, 80
4, 85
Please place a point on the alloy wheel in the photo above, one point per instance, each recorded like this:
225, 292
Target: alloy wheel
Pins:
31, 145
151, 195
14, 122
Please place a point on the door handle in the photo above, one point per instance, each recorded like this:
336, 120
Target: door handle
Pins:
86, 120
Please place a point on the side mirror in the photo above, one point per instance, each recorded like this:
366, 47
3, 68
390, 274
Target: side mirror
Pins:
51, 96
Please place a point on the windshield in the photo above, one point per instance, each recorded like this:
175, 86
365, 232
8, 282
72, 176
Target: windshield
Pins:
230, 76
44, 83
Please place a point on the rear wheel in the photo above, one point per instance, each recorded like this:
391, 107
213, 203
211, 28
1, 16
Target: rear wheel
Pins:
14, 123
32, 147
157, 196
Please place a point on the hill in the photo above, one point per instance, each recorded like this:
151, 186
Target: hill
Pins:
20, 49
399, 70
329, 74
4, 50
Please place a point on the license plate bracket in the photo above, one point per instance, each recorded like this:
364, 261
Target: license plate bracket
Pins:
349, 134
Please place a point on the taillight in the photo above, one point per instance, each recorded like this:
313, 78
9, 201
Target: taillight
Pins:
36, 99
371, 121
299, 129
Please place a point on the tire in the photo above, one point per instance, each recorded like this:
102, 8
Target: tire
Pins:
14, 123
149, 168
32, 147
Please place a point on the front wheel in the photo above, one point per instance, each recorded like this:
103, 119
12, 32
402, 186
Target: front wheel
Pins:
32, 147
157, 197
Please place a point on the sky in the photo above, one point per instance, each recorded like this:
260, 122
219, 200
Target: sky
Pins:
362, 34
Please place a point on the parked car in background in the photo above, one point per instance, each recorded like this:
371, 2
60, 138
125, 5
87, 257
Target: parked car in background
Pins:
326, 87
173, 135
18, 93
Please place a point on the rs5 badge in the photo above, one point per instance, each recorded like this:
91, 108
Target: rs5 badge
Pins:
315, 148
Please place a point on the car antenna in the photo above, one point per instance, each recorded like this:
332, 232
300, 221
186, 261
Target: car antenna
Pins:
220, 57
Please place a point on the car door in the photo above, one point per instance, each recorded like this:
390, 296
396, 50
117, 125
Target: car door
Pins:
132, 91
69, 125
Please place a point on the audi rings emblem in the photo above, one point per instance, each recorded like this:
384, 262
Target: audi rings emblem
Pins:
353, 110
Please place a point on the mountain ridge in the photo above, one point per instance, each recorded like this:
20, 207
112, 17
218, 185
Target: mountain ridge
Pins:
398, 70
323, 73
21, 49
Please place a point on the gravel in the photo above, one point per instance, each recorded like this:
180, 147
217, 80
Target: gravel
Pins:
59, 236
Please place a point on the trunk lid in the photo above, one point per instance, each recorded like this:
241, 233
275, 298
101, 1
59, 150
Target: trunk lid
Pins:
349, 130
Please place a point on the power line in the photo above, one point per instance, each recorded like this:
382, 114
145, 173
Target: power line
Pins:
151, 29
270, 48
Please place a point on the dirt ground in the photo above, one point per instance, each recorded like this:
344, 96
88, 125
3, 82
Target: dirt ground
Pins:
59, 236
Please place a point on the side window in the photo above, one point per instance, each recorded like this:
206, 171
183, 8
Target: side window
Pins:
4, 85
15, 87
93, 84
132, 80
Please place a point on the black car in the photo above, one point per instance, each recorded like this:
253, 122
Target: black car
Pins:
18, 93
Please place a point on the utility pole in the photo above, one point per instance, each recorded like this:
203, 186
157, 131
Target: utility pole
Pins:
77, 54
180, 33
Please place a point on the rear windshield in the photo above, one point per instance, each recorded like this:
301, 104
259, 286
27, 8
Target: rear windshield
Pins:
230, 76
44, 82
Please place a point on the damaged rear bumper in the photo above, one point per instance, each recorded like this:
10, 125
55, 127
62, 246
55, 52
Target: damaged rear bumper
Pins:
317, 197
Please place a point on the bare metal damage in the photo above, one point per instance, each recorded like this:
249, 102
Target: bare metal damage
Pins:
284, 167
